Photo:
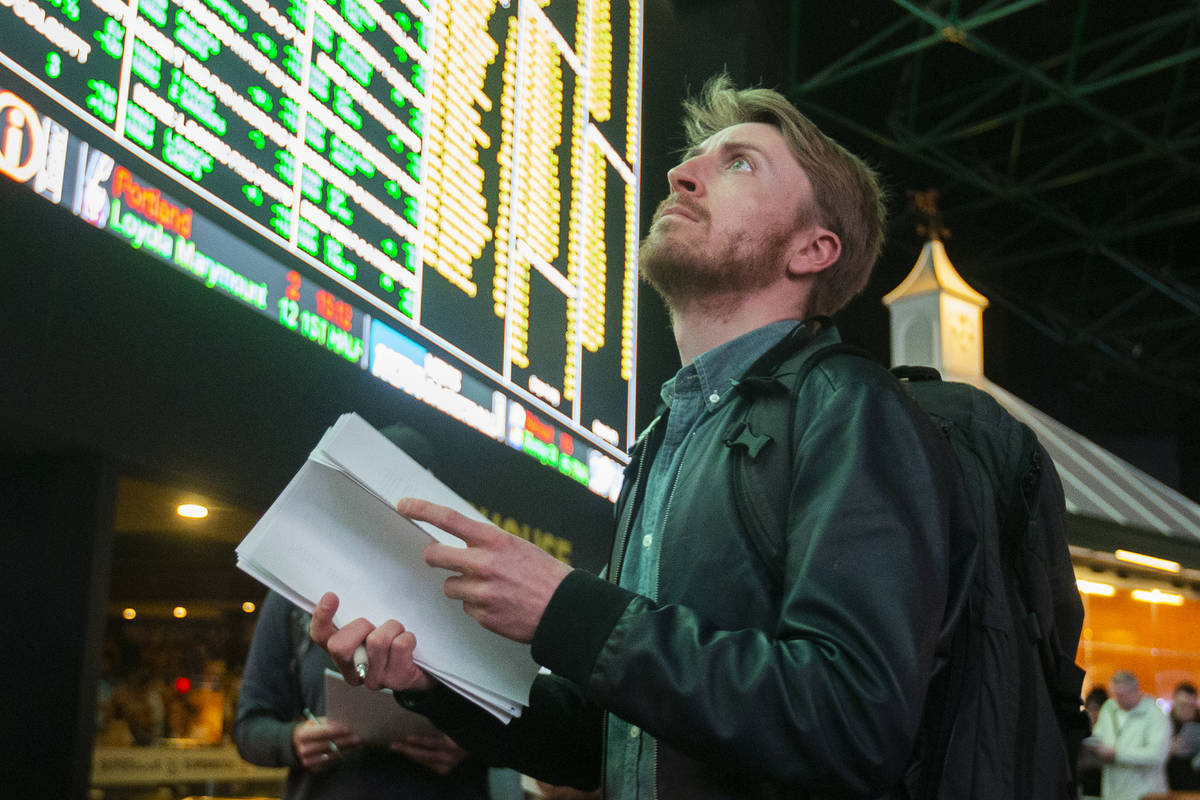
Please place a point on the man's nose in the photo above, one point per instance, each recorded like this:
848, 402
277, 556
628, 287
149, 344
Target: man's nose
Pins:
684, 178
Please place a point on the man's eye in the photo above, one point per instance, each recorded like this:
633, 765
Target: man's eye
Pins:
740, 163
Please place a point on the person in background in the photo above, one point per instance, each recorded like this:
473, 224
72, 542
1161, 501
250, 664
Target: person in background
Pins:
1087, 772
692, 671
1094, 702
284, 685
135, 712
1183, 768
1131, 738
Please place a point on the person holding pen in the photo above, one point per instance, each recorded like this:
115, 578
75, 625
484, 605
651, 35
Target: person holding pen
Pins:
280, 723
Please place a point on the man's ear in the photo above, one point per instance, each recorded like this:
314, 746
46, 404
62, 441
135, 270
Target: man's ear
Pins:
814, 249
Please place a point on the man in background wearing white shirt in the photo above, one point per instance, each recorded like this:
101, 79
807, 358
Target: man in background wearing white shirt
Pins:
1132, 738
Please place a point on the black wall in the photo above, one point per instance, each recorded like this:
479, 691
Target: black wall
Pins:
57, 513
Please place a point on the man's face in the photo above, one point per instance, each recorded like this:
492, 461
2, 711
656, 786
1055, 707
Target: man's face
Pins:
1126, 695
729, 225
1183, 706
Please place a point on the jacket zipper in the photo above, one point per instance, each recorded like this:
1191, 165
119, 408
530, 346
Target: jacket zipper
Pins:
654, 769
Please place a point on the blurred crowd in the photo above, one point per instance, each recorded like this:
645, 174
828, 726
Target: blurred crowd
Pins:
164, 684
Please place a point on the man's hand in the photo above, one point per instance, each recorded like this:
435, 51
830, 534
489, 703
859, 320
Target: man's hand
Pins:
505, 582
438, 753
1104, 752
320, 744
389, 649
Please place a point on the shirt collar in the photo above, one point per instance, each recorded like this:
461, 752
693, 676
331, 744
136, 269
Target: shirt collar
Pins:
714, 371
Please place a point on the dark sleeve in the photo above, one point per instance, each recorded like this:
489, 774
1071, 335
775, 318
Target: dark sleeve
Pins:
831, 698
557, 739
268, 701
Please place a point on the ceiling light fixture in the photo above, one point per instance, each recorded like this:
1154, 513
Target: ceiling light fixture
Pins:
1093, 587
1147, 561
192, 511
1157, 596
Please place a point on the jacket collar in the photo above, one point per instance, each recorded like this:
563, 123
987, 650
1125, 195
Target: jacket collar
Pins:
713, 373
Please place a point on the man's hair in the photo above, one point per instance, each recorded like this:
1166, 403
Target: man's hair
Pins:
1186, 687
849, 200
1125, 678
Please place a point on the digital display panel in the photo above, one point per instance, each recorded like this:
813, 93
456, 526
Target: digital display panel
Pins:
443, 193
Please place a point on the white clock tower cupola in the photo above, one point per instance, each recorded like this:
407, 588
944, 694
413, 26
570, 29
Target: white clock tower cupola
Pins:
936, 318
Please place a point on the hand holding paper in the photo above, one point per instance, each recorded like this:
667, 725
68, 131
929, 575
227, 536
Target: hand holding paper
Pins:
504, 582
437, 752
389, 649
335, 528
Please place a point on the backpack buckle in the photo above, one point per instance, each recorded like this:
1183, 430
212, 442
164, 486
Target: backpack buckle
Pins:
741, 436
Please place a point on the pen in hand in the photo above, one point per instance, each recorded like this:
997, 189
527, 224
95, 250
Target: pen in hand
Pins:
360, 662
333, 748
360, 655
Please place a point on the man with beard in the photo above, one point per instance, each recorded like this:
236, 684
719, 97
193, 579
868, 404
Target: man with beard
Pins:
689, 671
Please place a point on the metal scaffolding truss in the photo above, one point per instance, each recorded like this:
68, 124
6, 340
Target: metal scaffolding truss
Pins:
1063, 137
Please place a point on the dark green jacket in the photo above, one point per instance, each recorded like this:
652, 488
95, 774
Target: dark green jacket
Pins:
810, 688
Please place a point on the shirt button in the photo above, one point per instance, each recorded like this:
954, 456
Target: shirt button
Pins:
634, 731
647, 540
714, 398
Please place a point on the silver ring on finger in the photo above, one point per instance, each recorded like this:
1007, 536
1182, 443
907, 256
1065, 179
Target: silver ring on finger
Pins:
324, 756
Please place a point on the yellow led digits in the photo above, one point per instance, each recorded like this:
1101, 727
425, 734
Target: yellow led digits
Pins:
456, 225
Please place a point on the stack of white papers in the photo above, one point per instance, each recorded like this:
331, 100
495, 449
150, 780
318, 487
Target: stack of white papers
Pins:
335, 529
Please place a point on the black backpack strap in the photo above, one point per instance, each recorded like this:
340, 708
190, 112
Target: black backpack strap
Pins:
1045, 586
761, 437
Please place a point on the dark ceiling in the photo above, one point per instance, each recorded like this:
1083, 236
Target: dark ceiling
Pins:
1065, 143
1063, 140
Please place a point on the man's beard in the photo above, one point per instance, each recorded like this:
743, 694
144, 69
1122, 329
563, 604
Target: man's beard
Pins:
686, 275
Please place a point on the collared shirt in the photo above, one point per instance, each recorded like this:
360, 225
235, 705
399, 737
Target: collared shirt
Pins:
696, 390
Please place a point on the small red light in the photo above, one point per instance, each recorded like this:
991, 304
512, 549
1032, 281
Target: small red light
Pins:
183, 685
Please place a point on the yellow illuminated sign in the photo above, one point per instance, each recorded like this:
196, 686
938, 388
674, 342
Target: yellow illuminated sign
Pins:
455, 215
461, 175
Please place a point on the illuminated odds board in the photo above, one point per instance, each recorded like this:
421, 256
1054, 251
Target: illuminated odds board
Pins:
443, 193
